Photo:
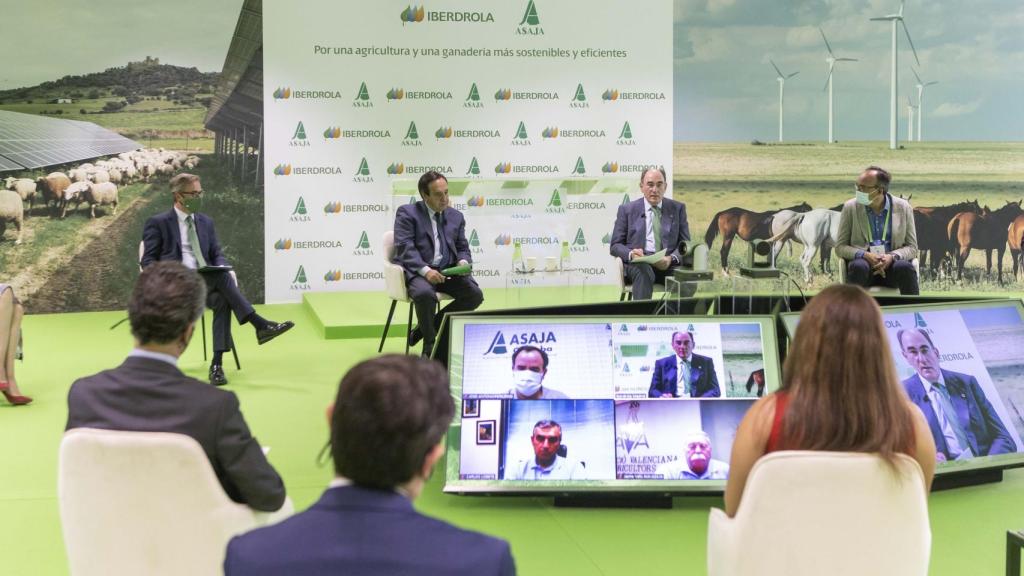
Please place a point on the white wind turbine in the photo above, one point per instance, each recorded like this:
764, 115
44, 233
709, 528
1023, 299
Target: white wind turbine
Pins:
782, 91
920, 98
896, 20
910, 119
831, 60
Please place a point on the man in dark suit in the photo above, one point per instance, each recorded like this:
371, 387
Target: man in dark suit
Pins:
962, 420
184, 235
431, 237
646, 226
388, 425
147, 393
685, 375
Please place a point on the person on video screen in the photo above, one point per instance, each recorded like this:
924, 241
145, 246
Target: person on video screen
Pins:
549, 461
962, 420
529, 367
698, 464
685, 374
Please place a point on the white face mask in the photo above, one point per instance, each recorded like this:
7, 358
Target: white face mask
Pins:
863, 198
527, 382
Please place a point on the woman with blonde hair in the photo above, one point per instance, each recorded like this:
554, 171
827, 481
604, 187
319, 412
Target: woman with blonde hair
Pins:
11, 313
839, 393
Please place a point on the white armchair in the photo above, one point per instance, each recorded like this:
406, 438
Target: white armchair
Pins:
626, 290
394, 285
813, 513
149, 503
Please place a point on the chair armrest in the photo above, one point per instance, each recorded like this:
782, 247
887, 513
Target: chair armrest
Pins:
394, 282
721, 549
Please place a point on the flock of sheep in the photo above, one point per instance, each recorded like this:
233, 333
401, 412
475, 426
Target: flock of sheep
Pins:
95, 184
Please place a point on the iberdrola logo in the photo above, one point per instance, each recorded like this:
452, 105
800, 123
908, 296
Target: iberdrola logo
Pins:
503, 168
579, 168
503, 240
610, 95
476, 201
412, 14
395, 169
503, 94
332, 133
412, 136
530, 24
474, 168
550, 132
396, 94
283, 244
610, 167
362, 99
332, 208
282, 93
283, 170
444, 132
332, 276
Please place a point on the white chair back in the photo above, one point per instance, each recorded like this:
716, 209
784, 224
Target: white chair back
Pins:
812, 513
145, 503
394, 275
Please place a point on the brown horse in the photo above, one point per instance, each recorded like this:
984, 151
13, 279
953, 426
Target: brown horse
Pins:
1015, 238
931, 223
745, 223
982, 231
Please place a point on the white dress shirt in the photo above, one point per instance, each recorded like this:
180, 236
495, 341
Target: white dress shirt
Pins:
188, 257
649, 244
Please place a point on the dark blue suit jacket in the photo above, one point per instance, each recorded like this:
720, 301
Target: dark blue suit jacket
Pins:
161, 239
353, 530
702, 376
985, 432
414, 237
631, 227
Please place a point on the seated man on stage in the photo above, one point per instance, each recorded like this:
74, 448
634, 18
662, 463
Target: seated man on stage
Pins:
877, 237
430, 237
148, 393
184, 235
647, 226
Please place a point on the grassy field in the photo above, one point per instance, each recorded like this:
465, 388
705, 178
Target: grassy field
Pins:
713, 177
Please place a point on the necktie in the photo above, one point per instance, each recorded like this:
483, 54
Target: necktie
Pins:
656, 211
949, 419
683, 389
193, 239
442, 242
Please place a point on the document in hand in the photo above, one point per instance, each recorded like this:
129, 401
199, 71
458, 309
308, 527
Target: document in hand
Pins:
649, 259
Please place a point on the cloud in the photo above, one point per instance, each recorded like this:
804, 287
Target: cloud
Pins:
950, 109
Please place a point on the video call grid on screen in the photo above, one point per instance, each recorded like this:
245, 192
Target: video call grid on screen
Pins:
615, 428
978, 347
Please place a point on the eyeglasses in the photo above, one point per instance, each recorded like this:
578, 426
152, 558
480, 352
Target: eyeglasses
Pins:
193, 194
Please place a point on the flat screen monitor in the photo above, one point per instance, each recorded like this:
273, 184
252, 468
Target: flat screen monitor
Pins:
975, 352
602, 404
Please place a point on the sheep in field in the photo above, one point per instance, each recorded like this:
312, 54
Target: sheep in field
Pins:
11, 210
52, 187
25, 188
101, 194
74, 193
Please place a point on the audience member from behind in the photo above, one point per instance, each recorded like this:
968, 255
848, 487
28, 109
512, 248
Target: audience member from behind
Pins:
839, 393
387, 429
148, 393
11, 313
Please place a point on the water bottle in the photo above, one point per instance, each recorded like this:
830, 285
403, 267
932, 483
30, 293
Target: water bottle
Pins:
566, 259
517, 257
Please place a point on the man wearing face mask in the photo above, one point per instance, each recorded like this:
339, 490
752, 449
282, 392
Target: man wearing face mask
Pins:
529, 367
148, 393
877, 237
697, 463
185, 235
546, 463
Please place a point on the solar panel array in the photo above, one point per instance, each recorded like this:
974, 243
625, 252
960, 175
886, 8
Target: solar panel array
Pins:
28, 141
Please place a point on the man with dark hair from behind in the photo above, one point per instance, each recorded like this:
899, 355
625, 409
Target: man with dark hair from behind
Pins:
148, 393
388, 424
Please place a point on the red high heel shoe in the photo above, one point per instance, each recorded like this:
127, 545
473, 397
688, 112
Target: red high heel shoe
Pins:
17, 400
4, 385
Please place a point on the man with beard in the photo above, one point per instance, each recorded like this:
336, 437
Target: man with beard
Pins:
698, 464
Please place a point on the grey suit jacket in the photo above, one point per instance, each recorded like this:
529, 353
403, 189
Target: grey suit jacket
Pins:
631, 227
854, 230
147, 395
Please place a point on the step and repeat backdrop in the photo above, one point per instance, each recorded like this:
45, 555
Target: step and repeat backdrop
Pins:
541, 113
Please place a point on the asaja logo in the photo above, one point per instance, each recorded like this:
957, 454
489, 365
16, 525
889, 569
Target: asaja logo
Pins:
476, 202
299, 137
625, 200
332, 133
332, 208
300, 282
443, 132
497, 345
412, 14
550, 132
474, 168
580, 168
530, 24
283, 170
396, 169
503, 240
474, 243
521, 138
555, 203
503, 168
363, 246
282, 93
606, 239
396, 94
473, 99
610, 95
362, 99
363, 173
299, 214
332, 276
626, 136
579, 243
283, 244
610, 168
412, 136
579, 99
500, 346
503, 94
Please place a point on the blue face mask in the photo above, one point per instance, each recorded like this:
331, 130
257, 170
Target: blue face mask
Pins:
863, 198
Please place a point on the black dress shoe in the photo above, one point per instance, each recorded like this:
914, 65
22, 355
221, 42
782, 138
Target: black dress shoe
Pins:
217, 377
272, 331
415, 335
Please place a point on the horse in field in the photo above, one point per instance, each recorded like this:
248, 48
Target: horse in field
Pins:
817, 229
746, 224
1015, 238
985, 231
932, 223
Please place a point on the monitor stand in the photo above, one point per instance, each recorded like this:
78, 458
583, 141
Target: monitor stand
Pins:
966, 478
659, 501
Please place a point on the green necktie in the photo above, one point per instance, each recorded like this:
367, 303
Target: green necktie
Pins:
684, 379
949, 417
657, 227
193, 239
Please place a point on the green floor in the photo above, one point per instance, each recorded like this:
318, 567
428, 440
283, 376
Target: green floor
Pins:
284, 388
